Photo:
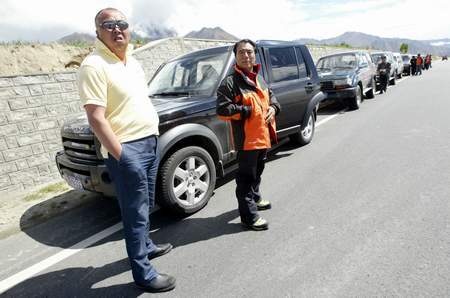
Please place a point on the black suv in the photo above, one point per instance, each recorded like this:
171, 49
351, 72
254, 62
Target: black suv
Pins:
347, 76
196, 146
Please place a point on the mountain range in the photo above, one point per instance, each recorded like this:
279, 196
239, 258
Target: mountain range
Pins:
362, 40
148, 33
353, 39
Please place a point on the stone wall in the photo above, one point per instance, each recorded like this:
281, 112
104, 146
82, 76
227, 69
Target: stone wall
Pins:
33, 109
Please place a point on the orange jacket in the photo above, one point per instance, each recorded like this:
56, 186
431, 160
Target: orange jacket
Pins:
245, 104
419, 60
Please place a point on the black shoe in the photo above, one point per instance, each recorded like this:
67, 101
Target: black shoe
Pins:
381, 92
161, 283
160, 249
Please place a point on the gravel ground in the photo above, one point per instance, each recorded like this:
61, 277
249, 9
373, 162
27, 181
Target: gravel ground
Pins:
20, 211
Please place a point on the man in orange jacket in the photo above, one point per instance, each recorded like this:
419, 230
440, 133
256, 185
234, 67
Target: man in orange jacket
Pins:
245, 99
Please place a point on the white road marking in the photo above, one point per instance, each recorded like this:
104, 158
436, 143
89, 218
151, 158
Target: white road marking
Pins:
50, 261
323, 121
29, 272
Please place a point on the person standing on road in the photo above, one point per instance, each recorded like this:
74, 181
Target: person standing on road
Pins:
245, 99
413, 63
419, 65
383, 71
113, 90
427, 61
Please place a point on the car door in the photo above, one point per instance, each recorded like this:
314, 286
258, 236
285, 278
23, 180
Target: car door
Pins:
283, 73
364, 70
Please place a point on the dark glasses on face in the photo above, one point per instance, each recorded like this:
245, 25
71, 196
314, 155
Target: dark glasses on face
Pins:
111, 25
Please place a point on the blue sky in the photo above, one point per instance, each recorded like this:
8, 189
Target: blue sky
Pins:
47, 20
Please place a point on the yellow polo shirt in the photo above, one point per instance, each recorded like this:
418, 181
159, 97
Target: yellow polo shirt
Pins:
106, 81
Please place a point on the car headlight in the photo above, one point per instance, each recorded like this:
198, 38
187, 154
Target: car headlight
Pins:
340, 82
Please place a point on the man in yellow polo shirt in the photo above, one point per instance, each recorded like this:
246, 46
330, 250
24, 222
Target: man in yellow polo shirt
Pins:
114, 94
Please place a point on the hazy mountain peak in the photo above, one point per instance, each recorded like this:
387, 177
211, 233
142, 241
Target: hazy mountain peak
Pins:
77, 37
211, 33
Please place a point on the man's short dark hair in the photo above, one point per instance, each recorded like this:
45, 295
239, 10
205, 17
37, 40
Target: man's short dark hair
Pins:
101, 11
243, 41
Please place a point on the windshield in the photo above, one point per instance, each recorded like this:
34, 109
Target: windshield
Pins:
405, 59
339, 61
376, 57
193, 74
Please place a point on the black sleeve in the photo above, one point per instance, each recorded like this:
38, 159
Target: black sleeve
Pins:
226, 105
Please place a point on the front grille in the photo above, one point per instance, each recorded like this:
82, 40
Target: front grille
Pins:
327, 85
83, 151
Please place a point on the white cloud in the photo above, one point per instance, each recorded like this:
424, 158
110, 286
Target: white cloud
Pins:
253, 19
258, 19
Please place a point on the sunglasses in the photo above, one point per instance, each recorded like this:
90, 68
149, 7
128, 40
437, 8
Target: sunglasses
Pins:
111, 25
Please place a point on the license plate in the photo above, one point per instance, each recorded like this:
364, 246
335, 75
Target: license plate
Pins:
74, 181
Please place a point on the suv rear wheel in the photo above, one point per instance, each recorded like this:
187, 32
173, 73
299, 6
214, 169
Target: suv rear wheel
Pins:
188, 178
392, 81
305, 135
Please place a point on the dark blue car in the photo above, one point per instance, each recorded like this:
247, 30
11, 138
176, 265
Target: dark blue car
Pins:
347, 77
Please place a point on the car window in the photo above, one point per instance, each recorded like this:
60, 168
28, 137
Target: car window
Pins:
284, 64
364, 59
258, 61
195, 74
302, 71
337, 61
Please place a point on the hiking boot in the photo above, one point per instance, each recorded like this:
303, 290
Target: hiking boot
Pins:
259, 225
263, 205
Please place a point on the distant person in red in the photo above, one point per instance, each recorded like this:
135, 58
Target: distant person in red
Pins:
428, 61
419, 65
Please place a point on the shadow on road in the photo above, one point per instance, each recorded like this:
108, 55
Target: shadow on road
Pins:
66, 228
77, 282
87, 281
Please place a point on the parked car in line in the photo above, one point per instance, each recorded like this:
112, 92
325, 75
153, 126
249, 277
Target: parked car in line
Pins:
399, 64
196, 146
376, 57
444, 57
406, 64
347, 76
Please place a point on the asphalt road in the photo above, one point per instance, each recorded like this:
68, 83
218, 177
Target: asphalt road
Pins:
361, 211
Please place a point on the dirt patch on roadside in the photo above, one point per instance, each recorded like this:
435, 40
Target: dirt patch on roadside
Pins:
25, 210
22, 59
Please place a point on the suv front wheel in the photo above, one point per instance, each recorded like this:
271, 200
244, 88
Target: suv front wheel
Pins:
187, 180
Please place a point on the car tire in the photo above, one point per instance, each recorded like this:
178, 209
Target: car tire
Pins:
392, 81
305, 135
187, 180
370, 94
355, 102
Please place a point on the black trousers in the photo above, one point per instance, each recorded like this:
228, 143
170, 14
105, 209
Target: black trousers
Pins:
384, 80
248, 179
